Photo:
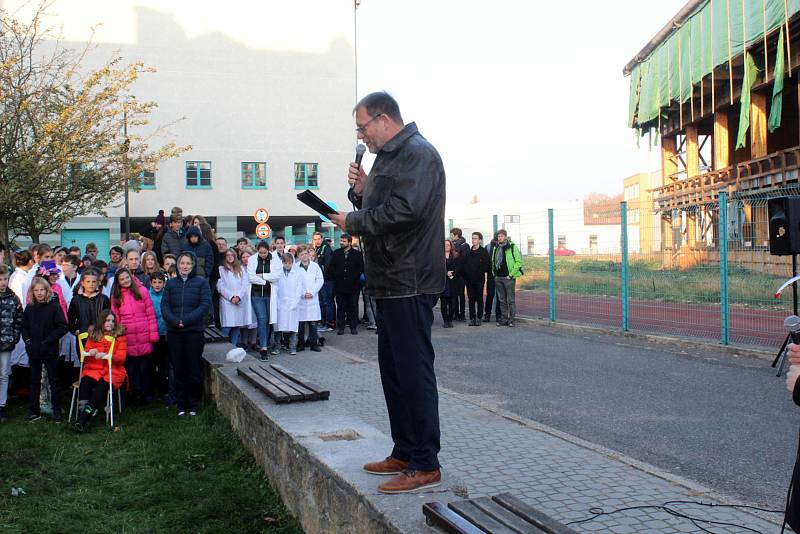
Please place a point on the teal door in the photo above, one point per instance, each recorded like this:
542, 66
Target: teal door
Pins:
80, 238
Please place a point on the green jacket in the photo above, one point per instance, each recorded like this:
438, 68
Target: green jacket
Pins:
513, 259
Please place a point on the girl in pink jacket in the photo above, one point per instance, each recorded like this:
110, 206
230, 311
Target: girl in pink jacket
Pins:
133, 308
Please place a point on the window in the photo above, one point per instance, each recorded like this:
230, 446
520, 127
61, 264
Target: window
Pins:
531, 245
147, 180
562, 241
254, 175
305, 176
511, 219
198, 174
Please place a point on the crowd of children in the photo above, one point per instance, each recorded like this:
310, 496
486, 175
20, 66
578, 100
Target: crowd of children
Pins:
137, 322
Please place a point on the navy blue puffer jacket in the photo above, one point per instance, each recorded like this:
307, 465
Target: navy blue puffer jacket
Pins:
186, 301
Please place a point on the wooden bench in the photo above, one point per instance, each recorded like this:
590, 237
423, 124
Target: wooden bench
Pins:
213, 334
282, 385
501, 514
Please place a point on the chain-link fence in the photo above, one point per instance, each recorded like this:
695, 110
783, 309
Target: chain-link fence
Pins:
702, 271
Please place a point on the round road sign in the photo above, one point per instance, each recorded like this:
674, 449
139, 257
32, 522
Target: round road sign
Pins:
261, 215
263, 231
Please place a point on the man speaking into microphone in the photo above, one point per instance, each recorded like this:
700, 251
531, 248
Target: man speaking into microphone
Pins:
400, 220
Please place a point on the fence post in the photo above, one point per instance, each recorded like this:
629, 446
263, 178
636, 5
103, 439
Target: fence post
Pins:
623, 207
723, 268
495, 228
551, 265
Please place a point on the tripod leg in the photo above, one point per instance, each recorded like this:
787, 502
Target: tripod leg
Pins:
783, 361
781, 351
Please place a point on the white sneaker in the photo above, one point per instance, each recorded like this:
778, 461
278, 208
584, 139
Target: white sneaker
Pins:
181, 414
192, 413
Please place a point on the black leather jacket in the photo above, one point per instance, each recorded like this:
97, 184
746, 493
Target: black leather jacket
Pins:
401, 220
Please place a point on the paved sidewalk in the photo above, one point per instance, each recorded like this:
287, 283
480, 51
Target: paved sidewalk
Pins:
492, 452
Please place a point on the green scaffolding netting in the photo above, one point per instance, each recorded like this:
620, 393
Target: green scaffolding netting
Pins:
717, 31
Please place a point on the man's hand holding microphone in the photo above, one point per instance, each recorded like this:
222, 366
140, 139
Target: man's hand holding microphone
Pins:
356, 179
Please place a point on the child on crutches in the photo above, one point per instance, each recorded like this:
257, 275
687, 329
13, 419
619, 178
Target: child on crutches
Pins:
106, 341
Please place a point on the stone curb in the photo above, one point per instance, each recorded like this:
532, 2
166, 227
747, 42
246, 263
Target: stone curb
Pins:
312, 455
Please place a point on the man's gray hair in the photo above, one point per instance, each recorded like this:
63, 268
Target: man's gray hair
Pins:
380, 103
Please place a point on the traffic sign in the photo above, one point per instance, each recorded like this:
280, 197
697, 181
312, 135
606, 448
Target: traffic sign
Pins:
263, 231
261, 216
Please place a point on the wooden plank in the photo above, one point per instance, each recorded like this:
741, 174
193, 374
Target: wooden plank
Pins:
532, 515
270, 391
290, 388
475, 515
291, 393
307, 392
291, 375
505, 516
437, 514
692, 152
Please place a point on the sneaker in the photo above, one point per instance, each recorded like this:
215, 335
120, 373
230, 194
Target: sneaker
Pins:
57, 417
410, 481
300, 348
31, 417
192, 413
316, 348
181, 413
354, 331
510, 323
472, 322
263, 355
275, 351
372, 327
293, 352
387, 466
487, 319
324, 328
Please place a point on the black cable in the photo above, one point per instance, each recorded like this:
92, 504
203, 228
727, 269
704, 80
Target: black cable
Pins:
665, 507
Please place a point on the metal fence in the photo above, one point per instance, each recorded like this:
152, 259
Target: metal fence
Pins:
704, 271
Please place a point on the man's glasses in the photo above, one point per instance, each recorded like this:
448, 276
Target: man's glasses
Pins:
363, 127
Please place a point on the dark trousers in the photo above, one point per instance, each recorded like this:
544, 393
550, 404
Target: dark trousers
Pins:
186, 351
405, 357
312, 338
51, 364
326, 305
159, 368
346, 307
447, 305
487, 308
458, 288
95, 392
138, 369
475, 296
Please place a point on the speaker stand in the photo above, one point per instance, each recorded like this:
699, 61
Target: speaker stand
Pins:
780, 358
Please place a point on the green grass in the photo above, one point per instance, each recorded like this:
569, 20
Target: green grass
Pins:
649, 281
158, 473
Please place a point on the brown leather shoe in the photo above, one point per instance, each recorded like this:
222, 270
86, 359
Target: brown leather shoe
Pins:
410, 481
387, 466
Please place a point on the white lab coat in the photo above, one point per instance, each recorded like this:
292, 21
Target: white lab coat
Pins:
312, 283
265, 278
288, 292
230, 285
20, 282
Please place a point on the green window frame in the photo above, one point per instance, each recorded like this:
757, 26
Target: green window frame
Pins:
254, 175
198, 175
147, 180
306, 176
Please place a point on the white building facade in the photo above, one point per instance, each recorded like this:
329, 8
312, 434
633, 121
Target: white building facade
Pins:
265, 90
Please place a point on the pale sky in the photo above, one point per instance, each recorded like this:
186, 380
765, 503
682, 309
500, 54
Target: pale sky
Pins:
519, 96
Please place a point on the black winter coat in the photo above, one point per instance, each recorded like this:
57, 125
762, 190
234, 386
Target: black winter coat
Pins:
83, 311
42, 328
475, 265
346, 272
10, 320
451, 284
401, 218
203, 253
172, 243
186, 301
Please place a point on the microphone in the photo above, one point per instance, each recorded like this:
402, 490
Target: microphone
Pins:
792, 325
360, 149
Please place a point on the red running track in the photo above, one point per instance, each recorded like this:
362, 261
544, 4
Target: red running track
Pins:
746, 325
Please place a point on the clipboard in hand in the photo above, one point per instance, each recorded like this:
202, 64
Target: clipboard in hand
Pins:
315, 203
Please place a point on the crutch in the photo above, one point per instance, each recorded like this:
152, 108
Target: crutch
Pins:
113, 342
74, 401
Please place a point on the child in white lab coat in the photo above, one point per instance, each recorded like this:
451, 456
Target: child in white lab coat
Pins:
289, 291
